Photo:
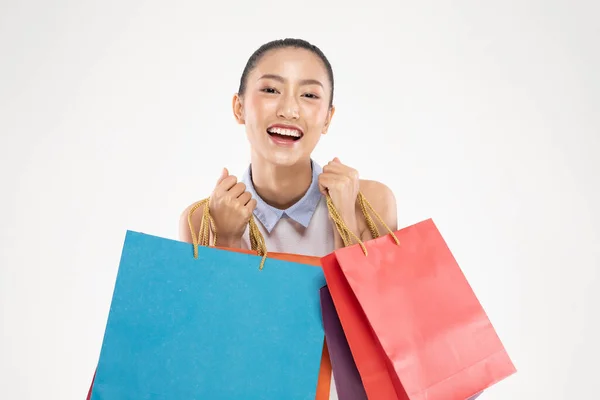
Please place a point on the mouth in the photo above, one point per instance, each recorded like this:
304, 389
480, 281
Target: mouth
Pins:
282, 133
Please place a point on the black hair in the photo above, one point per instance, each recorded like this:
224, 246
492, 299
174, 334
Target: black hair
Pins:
283, 44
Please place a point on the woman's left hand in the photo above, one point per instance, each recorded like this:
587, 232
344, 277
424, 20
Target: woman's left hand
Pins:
342, 184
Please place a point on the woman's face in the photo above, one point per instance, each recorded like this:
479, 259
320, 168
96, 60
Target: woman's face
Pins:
285, 107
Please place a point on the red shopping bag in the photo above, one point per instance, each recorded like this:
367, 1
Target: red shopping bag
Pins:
413, 323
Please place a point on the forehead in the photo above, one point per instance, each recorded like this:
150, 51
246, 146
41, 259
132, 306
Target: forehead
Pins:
292, 64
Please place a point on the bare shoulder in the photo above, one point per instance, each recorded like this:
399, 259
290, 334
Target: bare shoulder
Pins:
383, 200
185, 234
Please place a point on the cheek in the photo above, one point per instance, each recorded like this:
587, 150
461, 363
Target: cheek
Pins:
317, 116
258, 107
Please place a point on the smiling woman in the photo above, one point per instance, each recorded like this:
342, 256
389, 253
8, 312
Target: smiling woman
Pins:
285, 102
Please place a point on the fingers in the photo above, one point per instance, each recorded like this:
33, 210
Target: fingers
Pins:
250, 206
326, 180
237, 190
335, 167
228, 188
244, 198
224, 174
332, 179
225, 185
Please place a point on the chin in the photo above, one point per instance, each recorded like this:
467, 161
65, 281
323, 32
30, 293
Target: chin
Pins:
280, 155
286, 158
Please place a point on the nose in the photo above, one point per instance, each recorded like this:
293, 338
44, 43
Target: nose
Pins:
288, 108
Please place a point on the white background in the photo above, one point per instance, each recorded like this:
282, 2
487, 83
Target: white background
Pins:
483, 115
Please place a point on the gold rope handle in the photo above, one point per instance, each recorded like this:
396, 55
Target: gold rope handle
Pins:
342, 228
207, 226
370, 223
346, 233
366, 207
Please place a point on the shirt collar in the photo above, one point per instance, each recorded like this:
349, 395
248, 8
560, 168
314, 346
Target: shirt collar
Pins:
301, 212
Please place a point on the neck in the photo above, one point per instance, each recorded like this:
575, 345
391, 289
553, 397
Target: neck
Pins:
280, 186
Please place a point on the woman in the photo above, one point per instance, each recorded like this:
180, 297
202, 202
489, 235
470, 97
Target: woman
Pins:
285, 101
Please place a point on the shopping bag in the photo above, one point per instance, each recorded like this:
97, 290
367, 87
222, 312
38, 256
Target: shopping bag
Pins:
214, 327
325, 371
346, 377
415, 327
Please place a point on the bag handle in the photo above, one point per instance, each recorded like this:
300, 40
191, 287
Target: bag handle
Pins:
257, 241
346, 233
207, 226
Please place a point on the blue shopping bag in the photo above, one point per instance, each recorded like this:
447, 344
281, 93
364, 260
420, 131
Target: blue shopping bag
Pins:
212, 327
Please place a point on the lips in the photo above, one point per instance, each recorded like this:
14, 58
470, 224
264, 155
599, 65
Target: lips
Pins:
285, 132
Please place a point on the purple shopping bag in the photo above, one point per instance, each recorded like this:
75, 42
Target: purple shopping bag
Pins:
348, 383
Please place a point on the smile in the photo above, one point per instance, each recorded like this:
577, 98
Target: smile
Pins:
285, 133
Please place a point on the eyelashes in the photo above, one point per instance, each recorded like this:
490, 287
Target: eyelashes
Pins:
270, 90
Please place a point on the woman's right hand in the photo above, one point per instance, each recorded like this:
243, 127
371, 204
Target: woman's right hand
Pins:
231, 207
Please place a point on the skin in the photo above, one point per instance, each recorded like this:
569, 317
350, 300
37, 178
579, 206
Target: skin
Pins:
288, 86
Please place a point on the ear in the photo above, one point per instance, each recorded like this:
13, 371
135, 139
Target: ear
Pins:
328, 119
238, 108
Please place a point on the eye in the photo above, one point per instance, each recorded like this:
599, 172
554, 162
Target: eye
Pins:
311, 96
269, 90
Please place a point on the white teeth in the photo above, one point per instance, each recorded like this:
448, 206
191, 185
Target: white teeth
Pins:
285, 132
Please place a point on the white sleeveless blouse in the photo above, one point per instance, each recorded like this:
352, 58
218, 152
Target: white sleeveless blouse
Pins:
289, 236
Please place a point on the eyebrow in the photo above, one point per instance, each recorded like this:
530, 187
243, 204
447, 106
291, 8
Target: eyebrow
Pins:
282, 80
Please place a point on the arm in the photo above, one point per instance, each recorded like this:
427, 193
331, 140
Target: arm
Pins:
384, 203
